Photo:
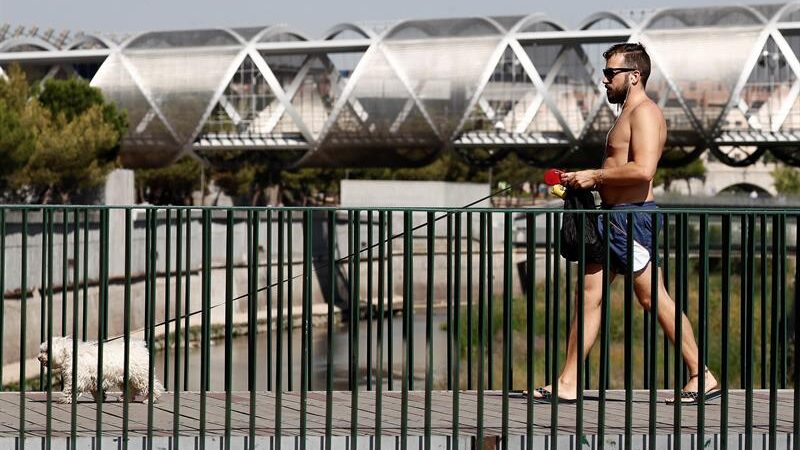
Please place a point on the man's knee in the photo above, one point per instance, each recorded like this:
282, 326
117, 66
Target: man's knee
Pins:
644, 300
592, 297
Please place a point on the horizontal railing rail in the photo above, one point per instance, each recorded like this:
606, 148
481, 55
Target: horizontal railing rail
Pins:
402, 327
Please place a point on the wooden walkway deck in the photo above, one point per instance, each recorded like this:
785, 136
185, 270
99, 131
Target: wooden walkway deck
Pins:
189, 414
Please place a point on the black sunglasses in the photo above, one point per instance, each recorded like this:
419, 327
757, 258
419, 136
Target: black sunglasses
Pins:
611, 72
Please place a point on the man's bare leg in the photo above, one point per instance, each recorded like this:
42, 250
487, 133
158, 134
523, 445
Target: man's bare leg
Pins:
666, 317
592, 313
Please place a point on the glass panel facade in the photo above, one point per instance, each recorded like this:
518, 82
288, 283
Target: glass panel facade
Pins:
181, 83
717, 60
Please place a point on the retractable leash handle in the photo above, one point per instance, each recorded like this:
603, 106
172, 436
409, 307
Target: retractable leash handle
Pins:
552, 177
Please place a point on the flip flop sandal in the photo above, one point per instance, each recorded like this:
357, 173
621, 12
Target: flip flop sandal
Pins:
547, 397
693, 397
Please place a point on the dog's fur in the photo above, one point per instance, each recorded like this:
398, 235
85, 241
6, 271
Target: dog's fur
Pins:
113, 368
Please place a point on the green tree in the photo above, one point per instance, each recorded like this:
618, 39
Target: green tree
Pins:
787, 180
65, 159
244, 176
21, 122
73, 97
171, 185
668, 175
57, 141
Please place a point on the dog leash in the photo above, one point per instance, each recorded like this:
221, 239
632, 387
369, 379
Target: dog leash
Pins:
340, 260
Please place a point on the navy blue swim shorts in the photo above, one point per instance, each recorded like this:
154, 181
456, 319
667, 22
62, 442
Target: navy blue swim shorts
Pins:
618, 234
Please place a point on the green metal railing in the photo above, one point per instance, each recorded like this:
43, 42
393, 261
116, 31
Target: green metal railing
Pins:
479, 294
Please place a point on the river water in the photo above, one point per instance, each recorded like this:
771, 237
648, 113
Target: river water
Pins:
241, 358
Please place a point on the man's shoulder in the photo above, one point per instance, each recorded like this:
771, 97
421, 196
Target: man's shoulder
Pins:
647, 110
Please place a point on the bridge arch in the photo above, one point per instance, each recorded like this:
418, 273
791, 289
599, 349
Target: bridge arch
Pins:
88, 38
334, 31
747, 188
605, 15
535, 19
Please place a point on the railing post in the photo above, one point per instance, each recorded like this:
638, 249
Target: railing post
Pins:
449, 300
23, 325
101, 324
681, 261
151, 320
205, 351
355, 315
457, 330
253, 223
270, 285
747, 314
796, 327
604, 333
176, 390
381, 319
49, 336
702, 329
530, 314
331, 216
555, 336
370, 313
289, 301
481, 326
187, 299
3, 211
126, 328
507, 340
655, 284
167, 282
470, 319
408, 299
579, 313
42, 294
774, 329
762, 369
726, 294
305, 352
548, 358
85, 280
667, 344
279, 335
628, 312
430, 241
390, 300
228, 325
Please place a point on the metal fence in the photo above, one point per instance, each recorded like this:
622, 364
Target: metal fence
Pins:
471, 307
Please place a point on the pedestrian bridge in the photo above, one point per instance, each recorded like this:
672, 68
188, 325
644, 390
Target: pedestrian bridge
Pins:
396, 93
396, 327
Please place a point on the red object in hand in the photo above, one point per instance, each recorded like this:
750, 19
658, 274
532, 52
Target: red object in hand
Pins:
552, 177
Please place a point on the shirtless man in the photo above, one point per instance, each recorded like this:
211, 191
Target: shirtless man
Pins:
625, 182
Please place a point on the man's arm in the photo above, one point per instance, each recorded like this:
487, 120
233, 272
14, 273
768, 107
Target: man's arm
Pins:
645, 151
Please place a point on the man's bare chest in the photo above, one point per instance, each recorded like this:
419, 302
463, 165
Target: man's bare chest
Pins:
618, 142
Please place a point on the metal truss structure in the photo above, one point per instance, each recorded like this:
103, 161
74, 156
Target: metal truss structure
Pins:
395, 94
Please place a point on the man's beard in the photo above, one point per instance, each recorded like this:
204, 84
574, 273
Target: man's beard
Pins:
618, 97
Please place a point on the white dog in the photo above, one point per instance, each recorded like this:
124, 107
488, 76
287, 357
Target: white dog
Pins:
113, 368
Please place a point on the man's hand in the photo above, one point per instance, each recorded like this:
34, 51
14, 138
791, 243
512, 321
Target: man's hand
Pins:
584, 179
